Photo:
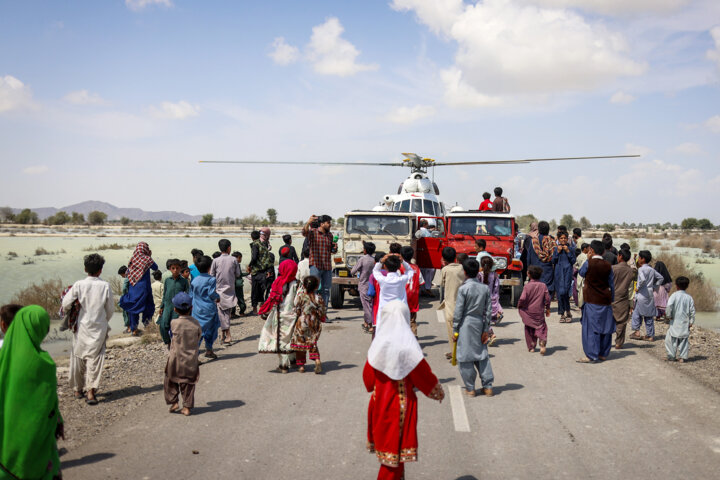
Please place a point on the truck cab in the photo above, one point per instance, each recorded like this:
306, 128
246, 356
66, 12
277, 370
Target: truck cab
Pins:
499, 231
380, 227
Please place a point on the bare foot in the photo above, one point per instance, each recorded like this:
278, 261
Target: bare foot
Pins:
681, 360
301, 369
185, 411
174, 408
531, 350
542, 350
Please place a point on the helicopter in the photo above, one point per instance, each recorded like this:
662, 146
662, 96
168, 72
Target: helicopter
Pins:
418, 193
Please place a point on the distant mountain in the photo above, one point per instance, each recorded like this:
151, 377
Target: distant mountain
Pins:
116, 213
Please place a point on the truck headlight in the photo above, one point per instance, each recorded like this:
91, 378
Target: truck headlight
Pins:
500, 263
351, 260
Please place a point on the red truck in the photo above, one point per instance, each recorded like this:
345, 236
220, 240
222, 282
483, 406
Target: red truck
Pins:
460, 230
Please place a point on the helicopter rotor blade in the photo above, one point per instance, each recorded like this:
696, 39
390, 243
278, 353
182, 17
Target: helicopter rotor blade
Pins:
394, 164
531, 160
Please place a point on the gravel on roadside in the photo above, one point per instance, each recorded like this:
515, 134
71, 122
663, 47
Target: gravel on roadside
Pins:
132, 375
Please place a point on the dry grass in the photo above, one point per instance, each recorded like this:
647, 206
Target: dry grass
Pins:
706, 243
46, 294
41, 251
654, 242
701, 289
109, 246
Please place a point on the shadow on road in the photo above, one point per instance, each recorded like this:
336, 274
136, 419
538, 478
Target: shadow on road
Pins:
506, 341
113, 395
335, 365
620, 354
230, 356
467, 477
636, 345
446, 380
87, 459
218, 406
251, 337
558, 348
497, 390
426, 337
696, 358
433, 343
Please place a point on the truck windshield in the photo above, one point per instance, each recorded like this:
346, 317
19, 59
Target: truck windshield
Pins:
378, 225
481, 226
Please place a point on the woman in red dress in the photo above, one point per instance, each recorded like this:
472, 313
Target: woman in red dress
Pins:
395, 366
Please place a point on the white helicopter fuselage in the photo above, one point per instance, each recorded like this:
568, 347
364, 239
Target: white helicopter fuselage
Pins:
417, 194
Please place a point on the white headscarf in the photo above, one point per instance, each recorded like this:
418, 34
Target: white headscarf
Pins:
395, 350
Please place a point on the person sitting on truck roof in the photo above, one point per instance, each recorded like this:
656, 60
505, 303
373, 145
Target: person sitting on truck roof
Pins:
500, 203
486, 204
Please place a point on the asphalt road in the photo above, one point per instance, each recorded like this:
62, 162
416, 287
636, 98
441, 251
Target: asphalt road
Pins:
629, 417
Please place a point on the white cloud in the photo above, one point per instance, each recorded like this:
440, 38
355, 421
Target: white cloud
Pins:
506, 49
13, 94
458, 93
174, 111
137, 5
283, 53
407, 115
83, 97
713, 123
714, 55
688, 148
614, 7
622, 98
35, 170
632, 149
331, 54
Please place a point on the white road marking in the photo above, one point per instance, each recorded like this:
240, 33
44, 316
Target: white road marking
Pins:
458, 409
441, 316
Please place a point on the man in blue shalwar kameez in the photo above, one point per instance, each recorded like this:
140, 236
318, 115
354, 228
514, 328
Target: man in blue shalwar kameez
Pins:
598, 323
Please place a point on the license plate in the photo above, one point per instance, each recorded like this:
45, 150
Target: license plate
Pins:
342, 273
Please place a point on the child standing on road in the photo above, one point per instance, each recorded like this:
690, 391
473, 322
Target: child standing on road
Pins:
157, 293
412, 289
182, 369
490, 278
122, 271
172, 286
204, 302
681, 313
363, 270
534, 306
647, 280
240, 285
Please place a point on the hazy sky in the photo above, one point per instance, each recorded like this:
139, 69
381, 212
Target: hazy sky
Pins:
118, 100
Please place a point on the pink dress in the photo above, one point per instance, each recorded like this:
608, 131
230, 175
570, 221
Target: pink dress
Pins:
660, 295
494, 284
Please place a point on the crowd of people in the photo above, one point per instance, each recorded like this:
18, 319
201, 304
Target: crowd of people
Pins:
192, 304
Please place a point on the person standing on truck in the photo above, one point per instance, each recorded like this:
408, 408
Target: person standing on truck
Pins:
428, 274
363, 269
320, 241
487, 204
500, 204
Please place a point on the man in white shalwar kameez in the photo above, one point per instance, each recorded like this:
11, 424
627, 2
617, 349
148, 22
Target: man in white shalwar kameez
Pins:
88, 344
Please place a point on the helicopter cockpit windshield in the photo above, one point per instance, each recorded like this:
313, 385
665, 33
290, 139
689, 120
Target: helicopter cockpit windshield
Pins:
419, 205
377, 225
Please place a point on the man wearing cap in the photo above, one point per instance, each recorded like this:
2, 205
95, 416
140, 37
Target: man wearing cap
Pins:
182, 369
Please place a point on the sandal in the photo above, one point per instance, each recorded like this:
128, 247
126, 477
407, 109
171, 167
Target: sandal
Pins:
78, 395
91, 401
584, 360
635, 336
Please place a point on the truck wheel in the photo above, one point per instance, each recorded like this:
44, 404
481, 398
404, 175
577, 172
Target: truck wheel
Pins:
515, 292
337, 296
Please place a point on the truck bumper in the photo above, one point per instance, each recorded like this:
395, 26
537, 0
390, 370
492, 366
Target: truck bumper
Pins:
348, 281
511, 282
